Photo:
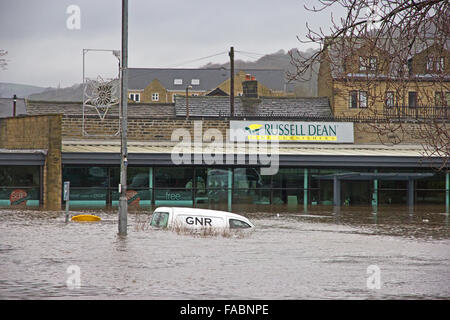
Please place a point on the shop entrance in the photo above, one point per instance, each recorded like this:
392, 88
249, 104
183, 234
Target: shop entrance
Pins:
356, 192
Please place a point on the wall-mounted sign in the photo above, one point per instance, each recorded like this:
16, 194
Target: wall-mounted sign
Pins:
290, 131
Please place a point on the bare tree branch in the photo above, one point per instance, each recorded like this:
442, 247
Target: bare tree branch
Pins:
388, 48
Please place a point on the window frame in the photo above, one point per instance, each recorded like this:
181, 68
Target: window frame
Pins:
353, 99
156, 219
155, 96
430, 64
373, 66
362, 64
362, 93
440, 64
136, 97
410, 94
389, 97
240, 224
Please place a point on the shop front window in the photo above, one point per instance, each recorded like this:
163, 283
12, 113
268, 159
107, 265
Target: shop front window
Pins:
174, 186
250, 187
288, 185
212, 186
19, 186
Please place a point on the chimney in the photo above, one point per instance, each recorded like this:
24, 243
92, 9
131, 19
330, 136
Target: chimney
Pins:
250, 87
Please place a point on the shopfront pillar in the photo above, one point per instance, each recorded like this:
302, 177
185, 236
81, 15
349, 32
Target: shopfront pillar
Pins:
230, 189
411, 192
336, 191
305, 189
447, 192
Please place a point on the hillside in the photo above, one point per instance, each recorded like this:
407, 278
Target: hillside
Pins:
277, 60
7, 90
73, 93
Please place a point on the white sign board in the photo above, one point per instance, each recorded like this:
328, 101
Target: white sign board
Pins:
292, 131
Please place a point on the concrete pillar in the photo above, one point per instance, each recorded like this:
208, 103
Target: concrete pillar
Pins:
305, 189
150, 185
230, 189
336, 191
447, 192
375, 191
411, 192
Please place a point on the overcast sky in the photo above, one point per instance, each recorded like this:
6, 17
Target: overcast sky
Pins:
43, 51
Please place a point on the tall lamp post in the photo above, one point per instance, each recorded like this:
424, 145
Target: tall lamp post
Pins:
123, 204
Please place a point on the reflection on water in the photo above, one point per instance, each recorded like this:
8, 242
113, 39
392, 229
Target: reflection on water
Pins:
318, 253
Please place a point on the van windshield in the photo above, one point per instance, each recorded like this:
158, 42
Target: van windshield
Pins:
238, 224
160, 219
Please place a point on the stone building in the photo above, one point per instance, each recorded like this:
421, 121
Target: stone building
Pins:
373, 82
272, 153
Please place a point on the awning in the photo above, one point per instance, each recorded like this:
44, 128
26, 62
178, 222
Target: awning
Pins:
98, 152
22, 157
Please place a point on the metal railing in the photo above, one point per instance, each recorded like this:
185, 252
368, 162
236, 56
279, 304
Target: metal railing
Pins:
417, 112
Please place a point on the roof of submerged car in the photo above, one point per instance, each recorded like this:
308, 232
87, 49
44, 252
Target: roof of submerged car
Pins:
201, 212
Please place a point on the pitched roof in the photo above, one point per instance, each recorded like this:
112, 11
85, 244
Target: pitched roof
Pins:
209, 79
270, 107
397, 48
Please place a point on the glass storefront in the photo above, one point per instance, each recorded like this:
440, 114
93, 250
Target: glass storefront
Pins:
220, 187
20, 186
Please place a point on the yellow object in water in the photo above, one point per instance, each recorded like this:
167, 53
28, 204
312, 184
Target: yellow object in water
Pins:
86, 217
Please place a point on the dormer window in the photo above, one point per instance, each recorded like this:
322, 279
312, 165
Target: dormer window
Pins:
436, 64
362, 64
440, 64
373, 63
178, 81
136, 97
195, 82
367, 63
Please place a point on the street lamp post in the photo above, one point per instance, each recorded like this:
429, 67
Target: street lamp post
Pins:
123, 204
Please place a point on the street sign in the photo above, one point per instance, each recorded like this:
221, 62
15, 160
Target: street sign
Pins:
66, 190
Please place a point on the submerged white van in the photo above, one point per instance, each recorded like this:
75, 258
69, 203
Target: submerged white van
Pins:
193, 218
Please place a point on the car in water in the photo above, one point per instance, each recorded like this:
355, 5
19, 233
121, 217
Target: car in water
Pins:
197, 219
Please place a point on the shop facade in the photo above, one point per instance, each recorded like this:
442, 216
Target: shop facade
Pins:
336, 175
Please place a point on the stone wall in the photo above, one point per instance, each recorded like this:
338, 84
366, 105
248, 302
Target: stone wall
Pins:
144, 129
38, 132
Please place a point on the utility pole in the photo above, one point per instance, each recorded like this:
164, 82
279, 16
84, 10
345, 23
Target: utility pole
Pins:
123, 204
231, 54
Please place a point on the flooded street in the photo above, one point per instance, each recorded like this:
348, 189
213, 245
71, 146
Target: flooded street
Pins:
322, 254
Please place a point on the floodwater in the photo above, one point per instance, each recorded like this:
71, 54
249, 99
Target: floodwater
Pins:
324, 253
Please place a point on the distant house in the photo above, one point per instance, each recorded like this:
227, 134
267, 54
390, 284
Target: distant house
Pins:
162, 85
372, 79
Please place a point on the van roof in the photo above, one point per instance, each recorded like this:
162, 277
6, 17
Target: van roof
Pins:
198, 211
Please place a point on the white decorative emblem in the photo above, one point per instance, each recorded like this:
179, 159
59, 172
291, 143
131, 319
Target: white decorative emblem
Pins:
101, 95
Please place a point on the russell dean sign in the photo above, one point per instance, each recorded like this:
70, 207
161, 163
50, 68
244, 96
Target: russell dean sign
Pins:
289, 131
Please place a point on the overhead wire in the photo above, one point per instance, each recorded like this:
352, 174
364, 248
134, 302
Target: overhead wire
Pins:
149, 72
